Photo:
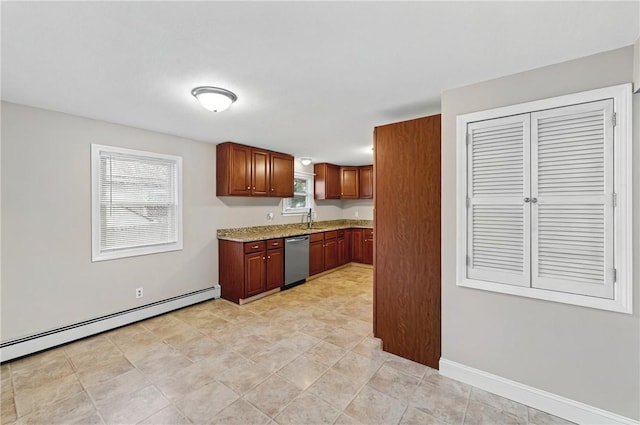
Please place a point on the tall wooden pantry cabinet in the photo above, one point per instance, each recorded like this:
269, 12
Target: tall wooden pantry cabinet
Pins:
407, 239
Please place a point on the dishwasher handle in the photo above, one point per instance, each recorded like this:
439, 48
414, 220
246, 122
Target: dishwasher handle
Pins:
303, 238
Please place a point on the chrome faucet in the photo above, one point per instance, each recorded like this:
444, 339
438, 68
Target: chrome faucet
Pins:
309, 219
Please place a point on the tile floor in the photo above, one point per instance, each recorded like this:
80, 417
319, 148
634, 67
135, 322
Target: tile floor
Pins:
303, 356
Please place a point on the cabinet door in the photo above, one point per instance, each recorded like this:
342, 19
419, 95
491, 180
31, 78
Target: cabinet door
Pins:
316, 257
260, 172
281, 175
342, 255
357, 245
349, 182
366, 182
347, 246
254, 274
330, 254
239, 170
368, 247
327, 181
275, 268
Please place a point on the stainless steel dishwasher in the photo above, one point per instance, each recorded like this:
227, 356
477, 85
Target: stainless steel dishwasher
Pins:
296, 260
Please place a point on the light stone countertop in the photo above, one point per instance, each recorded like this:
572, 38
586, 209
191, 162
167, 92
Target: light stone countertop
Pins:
260, 233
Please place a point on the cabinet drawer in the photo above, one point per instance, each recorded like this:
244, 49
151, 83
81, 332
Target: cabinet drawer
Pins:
315, 237
254, 246
330, 235
274, 243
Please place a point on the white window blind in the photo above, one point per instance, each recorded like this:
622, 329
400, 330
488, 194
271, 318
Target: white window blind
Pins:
136, 203
544, 199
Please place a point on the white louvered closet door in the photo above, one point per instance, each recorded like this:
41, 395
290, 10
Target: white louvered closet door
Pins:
498, 220
572, 181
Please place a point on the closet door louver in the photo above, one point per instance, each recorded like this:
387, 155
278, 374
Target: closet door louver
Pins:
572, 181
498, 238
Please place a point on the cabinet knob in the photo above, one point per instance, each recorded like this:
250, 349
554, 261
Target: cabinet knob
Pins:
272, 189
248, 187
254, 188
269, 257
263, 258
255, 246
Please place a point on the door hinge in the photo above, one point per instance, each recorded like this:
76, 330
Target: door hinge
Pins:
615, 200
614, 119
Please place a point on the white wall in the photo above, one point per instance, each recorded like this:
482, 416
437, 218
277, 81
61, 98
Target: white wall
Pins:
587, 355
48, 279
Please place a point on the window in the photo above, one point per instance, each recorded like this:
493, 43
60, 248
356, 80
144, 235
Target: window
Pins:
544, 199
136, 202
302, 195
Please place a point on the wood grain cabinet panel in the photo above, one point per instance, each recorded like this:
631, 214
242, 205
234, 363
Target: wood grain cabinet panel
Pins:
275, 269
249, 269
330, 254
407, 239
366, 182
316, 257
260, 172
357, 245
247, 171
349, 182
255, 269
233, 170
367, 249
281, 175
327, 181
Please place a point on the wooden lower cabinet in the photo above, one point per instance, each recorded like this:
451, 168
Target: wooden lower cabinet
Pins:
357, 245
255, 272
368, 247
249, 269
316, 253
275, 268
330, 250
344, 247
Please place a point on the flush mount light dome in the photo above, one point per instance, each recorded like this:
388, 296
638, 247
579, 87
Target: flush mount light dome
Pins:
305, 161
214, 99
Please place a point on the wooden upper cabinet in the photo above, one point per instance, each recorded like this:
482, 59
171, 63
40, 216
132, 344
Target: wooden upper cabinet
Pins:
233, 170
366, 182
260, 172
349, 182
281, 175
327, 181
246, 171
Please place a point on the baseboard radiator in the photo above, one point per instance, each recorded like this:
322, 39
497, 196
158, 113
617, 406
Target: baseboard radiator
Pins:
20, 347
563, 407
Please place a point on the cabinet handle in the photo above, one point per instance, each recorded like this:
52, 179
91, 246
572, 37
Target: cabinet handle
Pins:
248, 188
272, 189
269, 257
254, 188
255, 246
263, 258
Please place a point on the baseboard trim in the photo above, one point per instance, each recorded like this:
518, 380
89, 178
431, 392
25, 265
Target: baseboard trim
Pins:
32, 344
563, 407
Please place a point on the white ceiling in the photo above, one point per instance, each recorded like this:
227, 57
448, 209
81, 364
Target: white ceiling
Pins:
312, 78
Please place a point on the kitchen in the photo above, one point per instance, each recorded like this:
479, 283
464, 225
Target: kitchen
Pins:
56, 103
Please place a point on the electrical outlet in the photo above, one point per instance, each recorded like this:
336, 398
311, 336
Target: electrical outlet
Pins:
139, 293
270, 216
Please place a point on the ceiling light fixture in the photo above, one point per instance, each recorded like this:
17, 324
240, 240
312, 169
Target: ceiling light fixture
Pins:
305, 161
214, 99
